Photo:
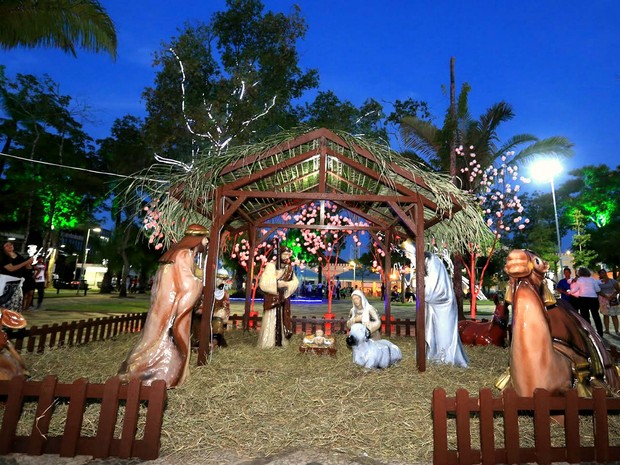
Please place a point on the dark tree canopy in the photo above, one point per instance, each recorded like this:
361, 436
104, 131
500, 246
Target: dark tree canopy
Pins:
234, 67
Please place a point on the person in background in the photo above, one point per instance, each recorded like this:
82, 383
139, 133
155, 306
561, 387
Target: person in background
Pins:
14, 264
409, 295
608, 300
586, 289
563, 288
40, 279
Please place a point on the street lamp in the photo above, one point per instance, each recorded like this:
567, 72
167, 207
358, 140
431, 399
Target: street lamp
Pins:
546, 169
354, 265
84, 261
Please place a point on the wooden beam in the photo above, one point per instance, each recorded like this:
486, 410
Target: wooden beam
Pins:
266, 172
349, 183
210, 270
322, 166
318, 196
362, 214
404, 217
366, 154
326, 227
232, 208
399, 188
249, 278
280, 148
387, 297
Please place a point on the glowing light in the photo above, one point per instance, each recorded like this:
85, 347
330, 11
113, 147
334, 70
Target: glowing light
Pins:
545, 169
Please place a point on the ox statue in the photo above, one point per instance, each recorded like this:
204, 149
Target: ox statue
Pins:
484, 333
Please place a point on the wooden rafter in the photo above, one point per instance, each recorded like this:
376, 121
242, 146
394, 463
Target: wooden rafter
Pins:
321, 166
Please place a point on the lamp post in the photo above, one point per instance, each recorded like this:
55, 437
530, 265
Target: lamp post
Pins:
84, 261
354, 265
546, 170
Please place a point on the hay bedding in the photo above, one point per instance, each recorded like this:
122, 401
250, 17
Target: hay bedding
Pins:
256, 403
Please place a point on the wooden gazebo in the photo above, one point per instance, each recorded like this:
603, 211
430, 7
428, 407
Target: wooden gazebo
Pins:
252, 186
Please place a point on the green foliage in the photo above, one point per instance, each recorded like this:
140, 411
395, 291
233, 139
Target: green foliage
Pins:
293, 241
38, 124
328, 111
60, 208
63, 24
594, 191
242, 47
605, 240
582, 254
124, 152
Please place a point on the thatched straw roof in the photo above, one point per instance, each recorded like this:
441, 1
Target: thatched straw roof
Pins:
259, 182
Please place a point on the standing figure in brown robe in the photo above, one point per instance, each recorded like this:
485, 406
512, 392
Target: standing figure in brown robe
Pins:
278, 284
163, 349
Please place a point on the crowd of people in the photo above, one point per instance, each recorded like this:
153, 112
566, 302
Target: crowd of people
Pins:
22, 276
592, 297
320, 290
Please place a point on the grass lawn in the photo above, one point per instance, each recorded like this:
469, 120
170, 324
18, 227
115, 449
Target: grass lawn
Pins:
68, 301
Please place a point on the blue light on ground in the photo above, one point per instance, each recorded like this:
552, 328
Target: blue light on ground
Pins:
295, 301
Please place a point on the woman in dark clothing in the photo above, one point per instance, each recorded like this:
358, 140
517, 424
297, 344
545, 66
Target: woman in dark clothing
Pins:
15, 265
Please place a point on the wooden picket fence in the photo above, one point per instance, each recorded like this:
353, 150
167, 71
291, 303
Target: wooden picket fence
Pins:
29, 407
75, 332
309, 325
503, 414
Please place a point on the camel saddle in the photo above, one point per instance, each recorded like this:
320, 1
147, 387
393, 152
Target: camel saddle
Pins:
575, 338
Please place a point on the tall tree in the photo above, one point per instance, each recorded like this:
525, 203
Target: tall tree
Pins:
63, 24
125, 152
595, 192
432, 143
591, 199
216, 77
435, 145
43, 128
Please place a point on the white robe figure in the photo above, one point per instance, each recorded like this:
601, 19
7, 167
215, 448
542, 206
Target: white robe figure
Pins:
364, 313
443, 343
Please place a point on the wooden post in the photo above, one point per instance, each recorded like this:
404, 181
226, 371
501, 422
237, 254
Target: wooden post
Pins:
420, 301
386, 273
250, 277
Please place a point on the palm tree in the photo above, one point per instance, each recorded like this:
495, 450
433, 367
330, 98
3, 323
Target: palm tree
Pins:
65, 24
432, 144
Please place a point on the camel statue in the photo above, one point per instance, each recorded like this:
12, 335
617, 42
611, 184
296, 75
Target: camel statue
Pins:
552, 346
484, 333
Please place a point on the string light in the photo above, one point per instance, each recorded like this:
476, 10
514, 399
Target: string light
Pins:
76, 168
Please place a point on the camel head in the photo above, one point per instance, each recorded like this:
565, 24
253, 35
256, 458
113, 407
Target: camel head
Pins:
522, 263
